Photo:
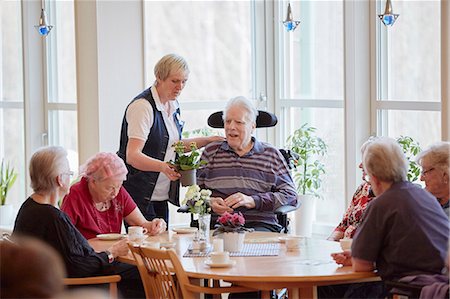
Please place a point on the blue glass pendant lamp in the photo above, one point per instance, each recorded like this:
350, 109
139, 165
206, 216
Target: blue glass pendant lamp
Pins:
43, 28
289, 23
389, 17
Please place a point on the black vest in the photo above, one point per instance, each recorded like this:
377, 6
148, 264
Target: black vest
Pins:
141, 184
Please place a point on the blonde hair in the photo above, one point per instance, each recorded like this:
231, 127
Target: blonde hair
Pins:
169, 64
104, 166
384, 158
45, 165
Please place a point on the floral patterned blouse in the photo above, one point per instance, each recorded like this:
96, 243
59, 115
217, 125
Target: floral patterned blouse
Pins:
353, 215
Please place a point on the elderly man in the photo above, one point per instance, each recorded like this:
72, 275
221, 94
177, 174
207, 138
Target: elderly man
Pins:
404, 231
244, 174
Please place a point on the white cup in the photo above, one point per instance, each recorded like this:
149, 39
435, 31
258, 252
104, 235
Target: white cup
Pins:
136, 234
221, 257
346, 244
293, 243
218, 244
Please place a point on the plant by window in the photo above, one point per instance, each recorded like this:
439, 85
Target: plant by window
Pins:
7, 178
187, 161
309, 169
230, 223
198, 200
411, 148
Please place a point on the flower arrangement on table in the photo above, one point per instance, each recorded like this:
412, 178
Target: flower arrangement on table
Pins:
198, 200
231, 223
187, 161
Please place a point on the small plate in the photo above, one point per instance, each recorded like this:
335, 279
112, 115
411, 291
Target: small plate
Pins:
185, 230
230, 263
110, 236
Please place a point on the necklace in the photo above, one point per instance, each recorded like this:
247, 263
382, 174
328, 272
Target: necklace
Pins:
102, 206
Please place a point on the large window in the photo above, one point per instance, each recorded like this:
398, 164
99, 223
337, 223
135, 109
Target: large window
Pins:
311, 89
408, 73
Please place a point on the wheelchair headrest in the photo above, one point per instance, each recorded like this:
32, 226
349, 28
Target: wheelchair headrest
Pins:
263, 120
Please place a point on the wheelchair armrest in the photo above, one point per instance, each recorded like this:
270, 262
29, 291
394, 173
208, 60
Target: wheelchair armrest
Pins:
183, 209
285, 209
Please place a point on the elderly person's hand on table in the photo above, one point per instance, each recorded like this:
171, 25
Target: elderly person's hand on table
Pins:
343, 258
155, 227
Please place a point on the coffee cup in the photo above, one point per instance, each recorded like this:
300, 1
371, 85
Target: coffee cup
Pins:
219, 257
346, 244
218, 244
136, 234
293, 243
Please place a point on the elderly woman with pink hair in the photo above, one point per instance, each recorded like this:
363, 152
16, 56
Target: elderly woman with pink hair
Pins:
98, 203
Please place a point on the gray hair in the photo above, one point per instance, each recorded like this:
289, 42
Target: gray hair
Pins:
384, 158
245, 104
437, 155
367, 142
169, 64
45, 165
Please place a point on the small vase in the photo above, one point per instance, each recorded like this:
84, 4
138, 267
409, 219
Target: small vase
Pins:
204, 222
233, 241
188, 177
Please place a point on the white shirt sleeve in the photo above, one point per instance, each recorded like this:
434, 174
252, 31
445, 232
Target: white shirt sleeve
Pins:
139, 117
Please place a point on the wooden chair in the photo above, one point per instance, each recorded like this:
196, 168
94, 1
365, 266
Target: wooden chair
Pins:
163, 276
112, 280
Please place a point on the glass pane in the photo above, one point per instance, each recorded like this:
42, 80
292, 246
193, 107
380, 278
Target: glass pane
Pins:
422, 126
63, 131
62, 83
331, 129
313, 55
12, 150
410, 69
214, 37
11, 79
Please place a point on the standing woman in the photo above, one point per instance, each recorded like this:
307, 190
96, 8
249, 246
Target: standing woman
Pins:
40, 217
150, 126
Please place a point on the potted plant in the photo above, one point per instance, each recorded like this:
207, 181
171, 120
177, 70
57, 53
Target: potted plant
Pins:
307, 173
411, 148
231, 226
7, 178
187, 163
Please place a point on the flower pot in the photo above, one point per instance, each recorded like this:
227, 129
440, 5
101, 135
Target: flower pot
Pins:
233, 241
6, 215
305, 215
188, 177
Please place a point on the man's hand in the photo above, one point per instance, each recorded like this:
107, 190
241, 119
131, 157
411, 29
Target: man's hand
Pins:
119, 248
237, 200
219, 206
343, 258
155, 227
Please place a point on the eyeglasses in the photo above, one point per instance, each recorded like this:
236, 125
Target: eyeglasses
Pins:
425, 172
69, 173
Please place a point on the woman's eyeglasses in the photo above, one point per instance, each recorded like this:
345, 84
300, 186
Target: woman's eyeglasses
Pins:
425, 172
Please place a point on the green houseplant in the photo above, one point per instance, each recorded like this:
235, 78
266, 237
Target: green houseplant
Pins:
307, 174
309, 169
7, 178
187, 163
411, 148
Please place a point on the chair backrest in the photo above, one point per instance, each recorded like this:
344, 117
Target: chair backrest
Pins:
157, 268
263, 120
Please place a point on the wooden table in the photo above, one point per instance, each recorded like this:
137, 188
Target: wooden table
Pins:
299, 271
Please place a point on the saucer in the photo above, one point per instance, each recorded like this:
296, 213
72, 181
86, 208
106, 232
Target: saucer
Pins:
110, 236
185, 230
230, 263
